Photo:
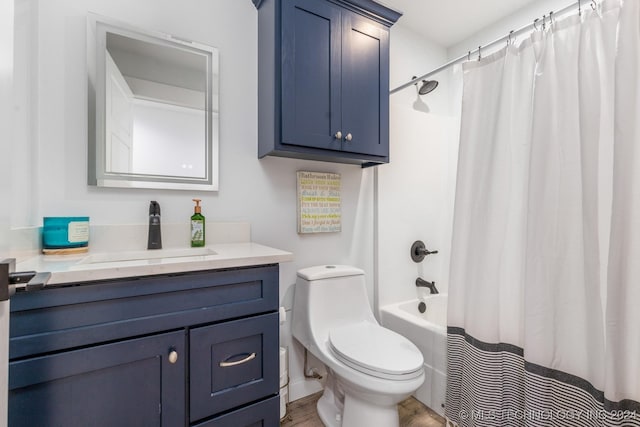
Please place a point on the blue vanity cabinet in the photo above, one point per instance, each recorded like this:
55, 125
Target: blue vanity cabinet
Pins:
324, 80
128, 383
188, 349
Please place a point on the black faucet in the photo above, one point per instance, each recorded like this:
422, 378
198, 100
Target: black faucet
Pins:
155, 235
421, 283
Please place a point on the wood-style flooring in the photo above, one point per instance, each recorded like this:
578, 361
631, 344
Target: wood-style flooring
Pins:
412, 413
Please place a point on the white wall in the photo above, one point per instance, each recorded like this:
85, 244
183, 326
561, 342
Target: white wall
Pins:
415, 190
51, 114
413, 55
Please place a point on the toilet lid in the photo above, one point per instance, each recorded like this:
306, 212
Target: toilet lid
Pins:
377, 351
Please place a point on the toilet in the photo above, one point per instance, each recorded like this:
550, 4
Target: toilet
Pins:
370, 368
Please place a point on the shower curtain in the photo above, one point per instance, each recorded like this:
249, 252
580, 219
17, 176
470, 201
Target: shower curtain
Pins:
544, 293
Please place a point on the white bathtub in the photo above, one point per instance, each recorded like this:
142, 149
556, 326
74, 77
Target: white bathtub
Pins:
428, 331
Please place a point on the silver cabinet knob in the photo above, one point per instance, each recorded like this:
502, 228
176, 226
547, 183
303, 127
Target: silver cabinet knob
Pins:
338, 135
348, 138
173, 356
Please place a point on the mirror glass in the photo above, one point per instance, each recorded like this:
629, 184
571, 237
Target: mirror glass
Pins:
153, 109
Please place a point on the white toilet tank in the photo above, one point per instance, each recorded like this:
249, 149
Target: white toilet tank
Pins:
327, 296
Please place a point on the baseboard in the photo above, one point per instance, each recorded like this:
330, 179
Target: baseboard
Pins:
303, 388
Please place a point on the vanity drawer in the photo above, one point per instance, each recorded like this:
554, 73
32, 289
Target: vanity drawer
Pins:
262, 414
233, 363
85, 314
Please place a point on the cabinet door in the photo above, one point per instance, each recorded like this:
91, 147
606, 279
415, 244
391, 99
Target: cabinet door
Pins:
311, 56
365, 86
128, 383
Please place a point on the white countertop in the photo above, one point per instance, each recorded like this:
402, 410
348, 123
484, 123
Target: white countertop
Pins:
92, 266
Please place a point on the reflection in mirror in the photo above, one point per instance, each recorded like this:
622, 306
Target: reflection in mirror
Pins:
154, 104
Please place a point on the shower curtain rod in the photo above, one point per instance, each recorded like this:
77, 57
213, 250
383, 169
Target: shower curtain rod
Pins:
478, 50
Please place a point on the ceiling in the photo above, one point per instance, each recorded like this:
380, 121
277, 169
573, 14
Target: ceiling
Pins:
448, 22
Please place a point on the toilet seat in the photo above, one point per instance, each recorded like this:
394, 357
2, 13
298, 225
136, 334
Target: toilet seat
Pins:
376, 351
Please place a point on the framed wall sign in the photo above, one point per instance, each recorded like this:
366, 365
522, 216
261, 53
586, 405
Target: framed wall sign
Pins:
319, 202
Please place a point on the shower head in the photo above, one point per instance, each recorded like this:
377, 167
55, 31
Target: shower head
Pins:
427, 86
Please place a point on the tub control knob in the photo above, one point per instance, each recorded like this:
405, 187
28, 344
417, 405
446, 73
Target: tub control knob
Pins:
173, 356
419, 251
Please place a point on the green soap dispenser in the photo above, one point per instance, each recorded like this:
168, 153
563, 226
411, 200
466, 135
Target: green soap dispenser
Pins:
197, 226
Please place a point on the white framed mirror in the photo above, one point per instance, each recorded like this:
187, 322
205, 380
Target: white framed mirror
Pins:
153, 109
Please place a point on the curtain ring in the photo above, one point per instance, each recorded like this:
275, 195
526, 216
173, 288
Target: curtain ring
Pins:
594, 5
479, 53
579, 7
544, 22
509, 40
551, 21
469, 56
535, 24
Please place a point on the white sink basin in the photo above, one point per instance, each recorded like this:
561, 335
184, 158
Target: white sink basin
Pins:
155, 254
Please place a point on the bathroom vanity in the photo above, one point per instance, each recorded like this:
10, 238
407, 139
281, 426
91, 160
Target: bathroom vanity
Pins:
192, 347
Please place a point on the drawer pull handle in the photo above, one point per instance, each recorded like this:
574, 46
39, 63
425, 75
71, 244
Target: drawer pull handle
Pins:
173, 356
238, 362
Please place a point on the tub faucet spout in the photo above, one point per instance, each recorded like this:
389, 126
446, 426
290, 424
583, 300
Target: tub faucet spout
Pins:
421, 283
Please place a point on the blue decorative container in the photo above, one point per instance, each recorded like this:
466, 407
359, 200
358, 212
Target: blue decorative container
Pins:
65, 232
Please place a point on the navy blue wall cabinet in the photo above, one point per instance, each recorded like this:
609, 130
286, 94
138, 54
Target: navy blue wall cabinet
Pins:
323, 81
197, 348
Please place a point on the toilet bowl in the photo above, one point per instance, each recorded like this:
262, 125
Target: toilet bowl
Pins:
370, 368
